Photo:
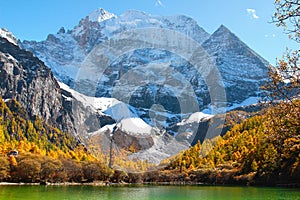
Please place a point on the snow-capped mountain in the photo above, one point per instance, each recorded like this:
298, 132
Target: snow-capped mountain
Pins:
65, 51
165, 89
243, 71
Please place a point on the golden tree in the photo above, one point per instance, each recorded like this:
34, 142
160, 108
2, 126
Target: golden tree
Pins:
284, 81
287, 16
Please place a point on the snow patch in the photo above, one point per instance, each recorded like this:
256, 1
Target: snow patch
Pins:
100, 103
104, 129
247, 102
119, 110
100, 15
195, 118
9, 36
110, 106
135, 126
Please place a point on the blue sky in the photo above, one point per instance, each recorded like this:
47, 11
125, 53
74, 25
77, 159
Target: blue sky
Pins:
248, 19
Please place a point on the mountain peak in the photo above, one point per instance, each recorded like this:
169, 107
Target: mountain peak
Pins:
223, 30
4, 33
100, 15
225, 36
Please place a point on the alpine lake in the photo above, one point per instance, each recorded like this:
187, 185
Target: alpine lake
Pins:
145, 192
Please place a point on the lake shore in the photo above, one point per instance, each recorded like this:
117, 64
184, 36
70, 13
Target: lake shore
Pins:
105, 184
58, 184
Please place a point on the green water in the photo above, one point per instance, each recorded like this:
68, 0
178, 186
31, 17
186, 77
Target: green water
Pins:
144, 192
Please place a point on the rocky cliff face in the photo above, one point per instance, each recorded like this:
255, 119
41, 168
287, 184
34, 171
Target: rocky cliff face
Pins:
25, 78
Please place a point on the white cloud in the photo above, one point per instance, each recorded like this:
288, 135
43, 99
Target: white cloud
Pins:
159, 3
252, 12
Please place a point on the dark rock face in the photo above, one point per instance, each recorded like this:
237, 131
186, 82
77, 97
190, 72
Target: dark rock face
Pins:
90, 36
27, 79
145, 98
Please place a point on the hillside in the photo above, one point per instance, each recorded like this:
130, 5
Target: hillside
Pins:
261, 150
34, 151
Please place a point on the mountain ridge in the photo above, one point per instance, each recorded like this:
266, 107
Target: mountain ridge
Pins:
157, 102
